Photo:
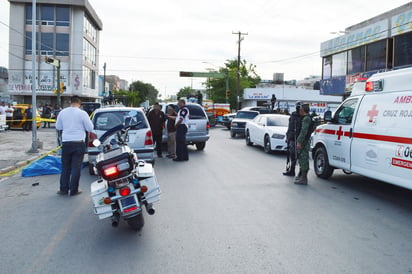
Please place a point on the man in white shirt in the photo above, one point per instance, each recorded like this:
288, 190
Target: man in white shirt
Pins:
3, 108
74, 123
182, 120
9, 115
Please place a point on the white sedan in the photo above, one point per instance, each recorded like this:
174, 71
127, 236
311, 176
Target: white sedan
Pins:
268, 131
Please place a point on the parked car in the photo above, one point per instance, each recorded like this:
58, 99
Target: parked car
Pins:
261, 110
19, 117
198, 127
140, 136
268, 131
227, 119
239, 122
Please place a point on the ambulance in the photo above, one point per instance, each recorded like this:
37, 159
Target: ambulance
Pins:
370, 133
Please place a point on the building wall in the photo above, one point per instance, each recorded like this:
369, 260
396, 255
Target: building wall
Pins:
71, 66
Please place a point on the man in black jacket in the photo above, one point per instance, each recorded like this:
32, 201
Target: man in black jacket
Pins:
295, 122
156, 119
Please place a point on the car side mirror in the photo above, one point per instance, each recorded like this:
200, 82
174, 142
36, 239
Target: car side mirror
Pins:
327, 117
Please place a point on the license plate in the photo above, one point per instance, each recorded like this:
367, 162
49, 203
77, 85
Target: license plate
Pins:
192, 127
128, 201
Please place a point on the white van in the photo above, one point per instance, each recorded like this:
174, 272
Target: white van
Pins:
370, 133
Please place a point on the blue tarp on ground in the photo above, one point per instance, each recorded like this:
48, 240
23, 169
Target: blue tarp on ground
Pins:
44, 166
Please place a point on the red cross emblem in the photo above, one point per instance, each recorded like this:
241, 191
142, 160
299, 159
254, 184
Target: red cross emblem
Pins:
372, 113
339, 132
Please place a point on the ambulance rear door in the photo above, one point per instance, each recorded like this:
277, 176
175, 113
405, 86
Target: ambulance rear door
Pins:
382, 138
339, 134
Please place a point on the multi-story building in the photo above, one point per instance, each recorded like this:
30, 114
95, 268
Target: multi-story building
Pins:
381, 43
4, 76
65, 30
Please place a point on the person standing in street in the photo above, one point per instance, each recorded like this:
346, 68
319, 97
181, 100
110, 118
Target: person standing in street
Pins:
9, 115
291, 134
29, 117
182, 120
74, 123
171, 132
302, 145
156, 119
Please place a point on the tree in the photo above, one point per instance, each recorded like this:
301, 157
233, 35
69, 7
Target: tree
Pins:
145, 92
248, 79
184, 92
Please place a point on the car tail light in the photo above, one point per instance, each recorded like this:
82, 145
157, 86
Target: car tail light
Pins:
111, 171
125, 191
149, 139
92, 137
133, 208
208, 125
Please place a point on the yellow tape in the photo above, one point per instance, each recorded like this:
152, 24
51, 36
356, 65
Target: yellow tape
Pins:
16, 170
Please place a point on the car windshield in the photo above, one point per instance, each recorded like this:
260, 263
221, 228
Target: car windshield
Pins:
109, 119
246, 114
278, 121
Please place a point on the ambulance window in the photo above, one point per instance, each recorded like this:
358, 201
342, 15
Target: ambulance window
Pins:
345, 113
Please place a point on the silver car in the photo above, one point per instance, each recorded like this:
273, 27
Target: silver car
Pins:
140, 136
198, 127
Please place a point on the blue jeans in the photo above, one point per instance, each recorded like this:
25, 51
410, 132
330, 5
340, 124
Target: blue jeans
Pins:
72, 158
181, 148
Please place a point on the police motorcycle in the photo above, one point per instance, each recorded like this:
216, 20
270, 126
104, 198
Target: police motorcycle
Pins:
125, 184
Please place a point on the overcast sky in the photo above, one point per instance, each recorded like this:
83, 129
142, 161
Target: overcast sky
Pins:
153, 40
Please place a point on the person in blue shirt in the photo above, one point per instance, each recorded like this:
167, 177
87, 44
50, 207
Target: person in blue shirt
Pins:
74, 123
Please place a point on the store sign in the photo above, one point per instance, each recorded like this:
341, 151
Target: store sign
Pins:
366, 35
257, 96
401, 23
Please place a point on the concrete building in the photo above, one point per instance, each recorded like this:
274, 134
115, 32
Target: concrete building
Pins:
66, 30
4, 78
381, 43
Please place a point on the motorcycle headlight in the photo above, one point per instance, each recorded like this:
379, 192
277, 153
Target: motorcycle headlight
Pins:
278, 136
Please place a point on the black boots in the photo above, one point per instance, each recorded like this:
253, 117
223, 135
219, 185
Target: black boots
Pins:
302, 178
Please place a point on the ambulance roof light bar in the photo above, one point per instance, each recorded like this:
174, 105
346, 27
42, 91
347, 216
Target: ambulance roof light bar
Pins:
374, 86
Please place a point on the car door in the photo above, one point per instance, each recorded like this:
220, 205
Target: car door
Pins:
339, 137
252, 125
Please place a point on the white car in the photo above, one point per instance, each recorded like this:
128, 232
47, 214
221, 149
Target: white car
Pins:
268, 131
139, 139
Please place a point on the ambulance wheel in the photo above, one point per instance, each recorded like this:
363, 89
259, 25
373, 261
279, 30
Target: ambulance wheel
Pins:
248, 142
321, 164
137, 222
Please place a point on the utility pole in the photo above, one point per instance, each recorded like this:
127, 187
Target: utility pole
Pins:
34, 147
104, 79
239, 33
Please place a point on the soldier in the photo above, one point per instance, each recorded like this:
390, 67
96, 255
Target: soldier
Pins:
291, 135
302, 145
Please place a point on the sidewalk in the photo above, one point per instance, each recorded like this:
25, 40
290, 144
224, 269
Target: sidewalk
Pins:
15, 144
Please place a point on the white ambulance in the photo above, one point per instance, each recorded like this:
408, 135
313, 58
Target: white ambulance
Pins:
371, 132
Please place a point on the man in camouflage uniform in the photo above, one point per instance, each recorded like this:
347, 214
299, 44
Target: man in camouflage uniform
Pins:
291, 134
302, 145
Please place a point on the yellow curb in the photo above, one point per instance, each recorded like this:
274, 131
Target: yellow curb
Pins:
6, 172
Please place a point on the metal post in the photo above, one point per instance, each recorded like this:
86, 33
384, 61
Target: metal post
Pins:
34, 148
58, 86
227, 85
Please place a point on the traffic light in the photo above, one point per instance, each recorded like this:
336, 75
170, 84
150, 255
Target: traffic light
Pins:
49, 60
186, 74
52, 61
227, 93
62, 87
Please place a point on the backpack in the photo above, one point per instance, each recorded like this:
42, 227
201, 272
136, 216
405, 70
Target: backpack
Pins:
314, 122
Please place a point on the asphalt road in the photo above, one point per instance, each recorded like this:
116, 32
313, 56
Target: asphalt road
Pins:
227, 210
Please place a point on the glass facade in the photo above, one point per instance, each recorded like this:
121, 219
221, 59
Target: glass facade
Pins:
403, 50
356, 60
49, 15
89, 52
89, 78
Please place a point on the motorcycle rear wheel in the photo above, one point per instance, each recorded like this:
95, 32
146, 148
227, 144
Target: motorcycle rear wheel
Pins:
136, 222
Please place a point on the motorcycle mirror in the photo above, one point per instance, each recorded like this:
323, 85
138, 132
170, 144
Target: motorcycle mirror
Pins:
96, 142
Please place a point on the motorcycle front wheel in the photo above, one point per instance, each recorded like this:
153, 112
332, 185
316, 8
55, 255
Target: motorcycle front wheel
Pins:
136, 222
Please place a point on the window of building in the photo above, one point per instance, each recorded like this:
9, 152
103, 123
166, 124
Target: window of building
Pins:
403, 50
339, 62
376, 56
89, 52
46, 46
327, 68
29, 14
89, 78
62, 16
47, 15
62, 44
356, 60
28, 42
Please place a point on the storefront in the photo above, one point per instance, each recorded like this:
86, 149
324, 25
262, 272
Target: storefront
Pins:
379, 44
